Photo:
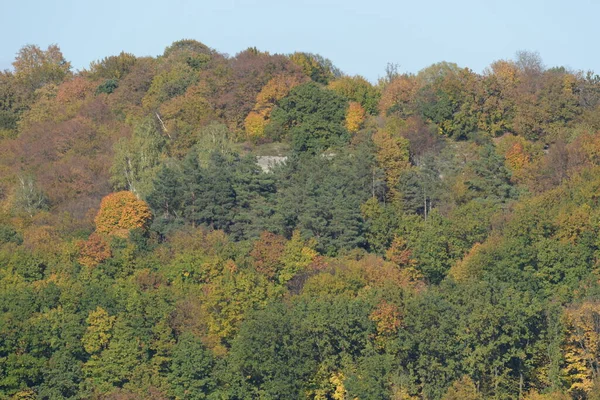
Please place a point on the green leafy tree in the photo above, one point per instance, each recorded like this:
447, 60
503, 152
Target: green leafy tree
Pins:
35, 67
137, 159
312, 117
191, 369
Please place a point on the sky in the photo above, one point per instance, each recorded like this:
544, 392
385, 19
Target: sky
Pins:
359, 37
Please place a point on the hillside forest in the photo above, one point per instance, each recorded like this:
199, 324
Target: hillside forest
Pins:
429, 236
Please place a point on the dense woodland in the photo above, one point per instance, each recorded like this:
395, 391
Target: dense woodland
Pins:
431, 236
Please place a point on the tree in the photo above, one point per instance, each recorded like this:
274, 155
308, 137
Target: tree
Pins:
312, 117
113, 67
316, 67
321, 198
400, 254
94, 251
171, 82
120, 213
355, 116
28, 196
247, 74
98, 332
115, 365
447, 97
398, 97
267, 253
166, 198
137, 159
11, 104
582, 347
35, 67
463, 389
214, 188
275, 90
190, 377
392, 155
491, 178
357, 89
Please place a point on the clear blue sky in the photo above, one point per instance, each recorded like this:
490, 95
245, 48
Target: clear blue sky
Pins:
360, 37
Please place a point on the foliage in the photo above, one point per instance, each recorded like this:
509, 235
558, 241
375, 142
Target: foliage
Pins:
431, 237
120, 213
312, 117
35, 67
138, 158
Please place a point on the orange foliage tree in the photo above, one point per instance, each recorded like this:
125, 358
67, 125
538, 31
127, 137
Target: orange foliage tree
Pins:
388, 319
397, 97
93, 251
519, 154
400, 254
121, 212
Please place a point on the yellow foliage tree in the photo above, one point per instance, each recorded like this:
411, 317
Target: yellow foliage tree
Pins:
99, 331
35, 67
469, 268
392, 156
520, 155
463, 389
298, 255
333, 388
573, 223
317, 68
581, 348
255, 124
120, 213
355, 116
188, 111
26, 394
533, 395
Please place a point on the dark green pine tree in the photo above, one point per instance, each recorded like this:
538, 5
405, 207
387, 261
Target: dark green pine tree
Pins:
492, 178
166, 199
215, 201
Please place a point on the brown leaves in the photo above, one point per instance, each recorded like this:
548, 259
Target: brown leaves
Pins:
267, 254
400, 254
387, 317
398, 96
77, 89
93, 251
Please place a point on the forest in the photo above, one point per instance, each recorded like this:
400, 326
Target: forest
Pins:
434, 235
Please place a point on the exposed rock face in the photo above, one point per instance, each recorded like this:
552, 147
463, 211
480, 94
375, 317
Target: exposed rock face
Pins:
268, 162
